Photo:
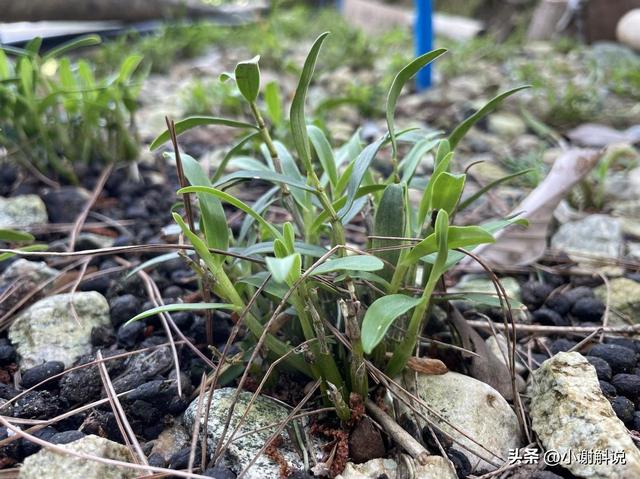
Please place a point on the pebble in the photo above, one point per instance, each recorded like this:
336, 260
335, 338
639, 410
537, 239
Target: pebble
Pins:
534, 294
621, 359
129, 335
37, 405
608, 389
365, 442
623, 408
27, 448
588, 310
219, 473
559, 303
156, 392
627, 385
38, 374
66, 437
549, 317
603, 370
575, 294
7, 354
123, 308
7, 392
66, 203
561, 345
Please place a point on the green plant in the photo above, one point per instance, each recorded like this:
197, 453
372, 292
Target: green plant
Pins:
345, 299
56, 114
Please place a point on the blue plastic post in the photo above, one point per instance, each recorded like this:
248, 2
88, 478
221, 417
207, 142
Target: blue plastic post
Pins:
423, 39
339, 5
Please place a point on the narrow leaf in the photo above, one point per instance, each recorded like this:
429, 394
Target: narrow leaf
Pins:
399, 81
265, 175
381, 315
248, 79
478, 194
285, 270
296, 115
64, 48
193, 121
170, 308
232, 201
324, 152
466, 125
446, 192
355, 263
13, 235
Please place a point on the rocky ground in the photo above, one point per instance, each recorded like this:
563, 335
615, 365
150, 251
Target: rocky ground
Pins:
71, 368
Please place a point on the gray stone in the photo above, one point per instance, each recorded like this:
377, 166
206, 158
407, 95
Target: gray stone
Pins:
24, 270
498, 346
472, 407
23, 210
436, 467
264, 412
171, 440
585, 241
624, 297
628, 29
506, 125
570, 414
48, 331
52, 464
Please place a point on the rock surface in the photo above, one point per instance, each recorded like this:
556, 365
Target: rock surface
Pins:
52, 464
624, 298
32, 271
264, 412
596, 236
22, 210
628, 29
48, 331
570, 414
473, 407
437, 467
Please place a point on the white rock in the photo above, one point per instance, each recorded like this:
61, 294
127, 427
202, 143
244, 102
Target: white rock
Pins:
48, 331
596, 236
22, 210
52, 465
570, 414
628, 29
506, 125
470, 406
264, 412
624, 297
436, 467
33, 271
498, 346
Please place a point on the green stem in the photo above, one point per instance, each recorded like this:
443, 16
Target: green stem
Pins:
224, 289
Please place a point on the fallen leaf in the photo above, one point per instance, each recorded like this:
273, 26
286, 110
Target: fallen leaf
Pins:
594, 135
516, 246
428, 366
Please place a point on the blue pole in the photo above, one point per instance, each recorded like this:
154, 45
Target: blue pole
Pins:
423, 39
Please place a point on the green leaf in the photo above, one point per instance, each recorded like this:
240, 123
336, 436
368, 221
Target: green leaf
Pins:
232, 201
5, 66
339, 203
248, 79
324, 152
235, 149
466, 125
193, 121
290, 169
128, 67
380, 315
285, 270
66, 47
360, 167
163, 258
458, 237
446, 192
265, 175
425, 202
390, 221
444, 148
199, 245
170, 308
487, 299
296, 115
399, 81
213, 221
13, 235
355, 263
410, 163
490, 186
443, 240
259, 206
273, 100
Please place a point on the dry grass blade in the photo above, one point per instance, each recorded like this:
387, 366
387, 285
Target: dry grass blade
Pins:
127, 433
281, 427
85, 211
88, 457
196, 427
